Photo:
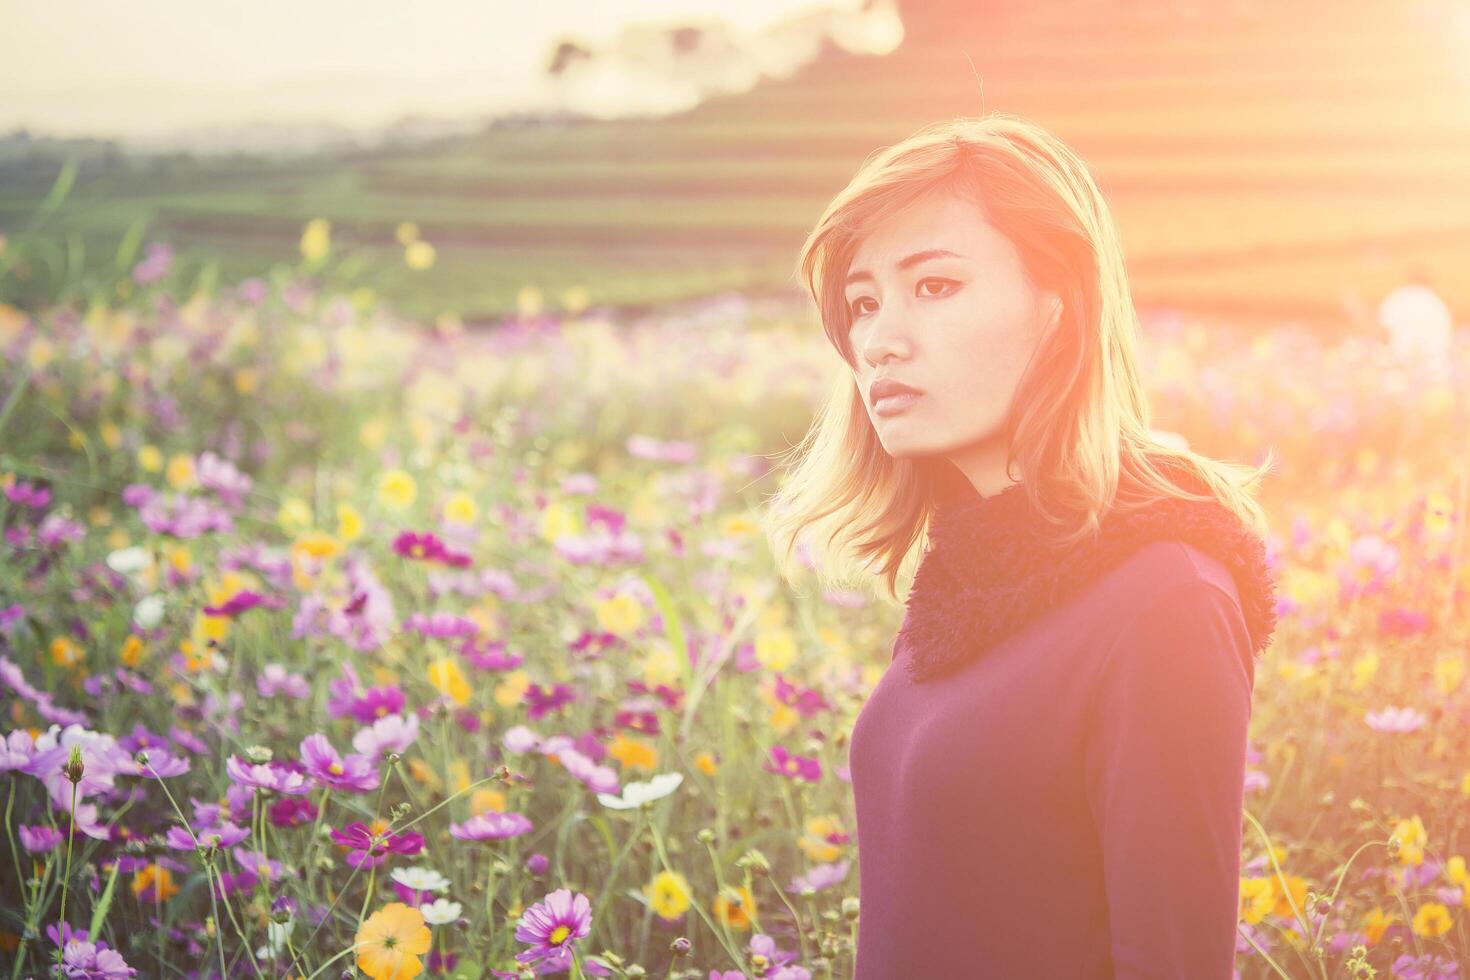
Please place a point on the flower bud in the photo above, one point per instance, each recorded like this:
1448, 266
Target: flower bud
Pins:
681, 947
705, 836
74, 767
850, 908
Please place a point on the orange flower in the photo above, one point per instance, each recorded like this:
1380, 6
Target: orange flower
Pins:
735, 907
390, 942
632, 754
154, 883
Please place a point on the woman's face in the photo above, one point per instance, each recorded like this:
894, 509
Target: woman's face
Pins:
958, 327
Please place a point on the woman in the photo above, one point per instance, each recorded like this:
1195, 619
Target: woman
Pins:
1048, 778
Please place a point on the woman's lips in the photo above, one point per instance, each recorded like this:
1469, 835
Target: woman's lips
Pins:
896, 403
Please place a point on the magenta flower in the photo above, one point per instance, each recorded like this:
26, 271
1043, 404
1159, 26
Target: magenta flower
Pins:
366, 850
39, 839
492, 826
243, 601
552, 927
223, 835
391, 733
267, 776
355, 773
441, 625
274, 679
784, 763
427, 546
542, 701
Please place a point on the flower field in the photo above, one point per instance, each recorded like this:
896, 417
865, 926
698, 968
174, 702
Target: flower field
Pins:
332, 642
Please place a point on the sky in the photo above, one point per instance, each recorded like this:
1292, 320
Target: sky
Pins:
114, 68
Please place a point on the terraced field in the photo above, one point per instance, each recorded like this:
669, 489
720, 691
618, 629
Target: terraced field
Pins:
1293, 165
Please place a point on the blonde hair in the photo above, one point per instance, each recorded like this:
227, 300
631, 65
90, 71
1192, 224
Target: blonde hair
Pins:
1079, 421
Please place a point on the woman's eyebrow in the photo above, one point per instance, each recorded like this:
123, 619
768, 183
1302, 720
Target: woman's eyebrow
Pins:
863, 275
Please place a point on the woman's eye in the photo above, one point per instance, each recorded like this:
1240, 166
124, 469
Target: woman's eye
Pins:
856, 310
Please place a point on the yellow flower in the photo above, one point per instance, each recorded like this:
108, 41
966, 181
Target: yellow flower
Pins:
661, 666
1364, 667
445, 675
390, 942
150, 459
558, 519
1256, 899
1412, 838
294, 515
622, 614
1376, 923
246, 380
1454, 870
317, 544
487, 800
461, 508
316, 240
633, 754
1296, 888
668, 894
1432, 920
528, 301
156, 880
574, 299
775, 649
397, 489
512, 688
180, 473
817, 843
132, 651
64, 652
706, 764
1449, 671
407, 232
735, 907
349, 522
419, 255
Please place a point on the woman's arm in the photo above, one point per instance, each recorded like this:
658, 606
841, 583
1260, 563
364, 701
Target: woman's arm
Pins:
1165, 768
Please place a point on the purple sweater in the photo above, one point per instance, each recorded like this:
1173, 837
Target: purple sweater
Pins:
1069, 804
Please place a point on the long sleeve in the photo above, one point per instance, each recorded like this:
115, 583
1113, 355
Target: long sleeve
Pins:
1165, 766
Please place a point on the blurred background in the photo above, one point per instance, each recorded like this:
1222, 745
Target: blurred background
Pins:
1264, 160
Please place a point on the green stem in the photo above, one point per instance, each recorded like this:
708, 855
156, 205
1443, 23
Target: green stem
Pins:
658, 846
71, 832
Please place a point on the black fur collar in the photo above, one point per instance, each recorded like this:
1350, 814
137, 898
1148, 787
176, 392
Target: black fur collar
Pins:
985, 573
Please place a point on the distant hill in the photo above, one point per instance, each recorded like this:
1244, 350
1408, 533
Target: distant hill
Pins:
1263, 161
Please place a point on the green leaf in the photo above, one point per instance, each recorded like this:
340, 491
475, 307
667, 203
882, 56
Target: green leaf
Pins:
673, 625
467, 970
99, 911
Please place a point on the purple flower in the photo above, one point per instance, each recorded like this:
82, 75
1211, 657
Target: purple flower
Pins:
543, 700
258, 864
243, 601
93, 961
820, 877
223, 835
441, 625
275, 680
1427, 967
355, 773
427, 546
784, 763
39, 840
268, 776
155, 264
161, 764
220, 475
552, 926
27, 494
366, 850
492, 826
393, 733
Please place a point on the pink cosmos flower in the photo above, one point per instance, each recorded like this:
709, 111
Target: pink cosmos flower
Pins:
785, 763
492, 826
355, 773
552, 927
364, 850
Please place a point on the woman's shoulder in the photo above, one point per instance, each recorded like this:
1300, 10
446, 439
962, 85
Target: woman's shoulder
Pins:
1162, 569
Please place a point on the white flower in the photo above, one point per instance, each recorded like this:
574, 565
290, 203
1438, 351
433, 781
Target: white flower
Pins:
639, 794
441, 911
420, 879
148, 613
126, 561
